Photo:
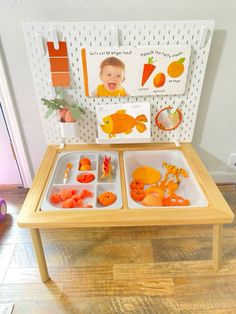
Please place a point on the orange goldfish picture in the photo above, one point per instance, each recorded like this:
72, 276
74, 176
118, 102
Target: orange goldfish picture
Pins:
121, 122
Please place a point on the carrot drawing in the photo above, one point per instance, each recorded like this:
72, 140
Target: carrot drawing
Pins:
148, 68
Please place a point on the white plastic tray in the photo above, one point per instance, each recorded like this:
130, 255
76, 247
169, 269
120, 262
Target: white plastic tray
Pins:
189, 187
97, 186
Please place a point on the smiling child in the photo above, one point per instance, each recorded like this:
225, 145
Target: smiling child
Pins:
112, 75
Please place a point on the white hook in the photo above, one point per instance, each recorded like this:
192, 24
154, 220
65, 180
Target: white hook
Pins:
55, 38
115, 36
40, 43
175, 107
203, 36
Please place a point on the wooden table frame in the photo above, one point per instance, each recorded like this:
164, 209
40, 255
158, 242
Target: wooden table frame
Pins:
31, 216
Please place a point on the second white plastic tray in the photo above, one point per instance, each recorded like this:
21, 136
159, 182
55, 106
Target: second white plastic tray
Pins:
189, 187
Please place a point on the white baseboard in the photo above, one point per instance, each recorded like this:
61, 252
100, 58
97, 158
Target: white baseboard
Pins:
224, 176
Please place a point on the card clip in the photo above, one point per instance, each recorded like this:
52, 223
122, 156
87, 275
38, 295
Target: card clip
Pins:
40, 43
115, 36
203, 36
55, 38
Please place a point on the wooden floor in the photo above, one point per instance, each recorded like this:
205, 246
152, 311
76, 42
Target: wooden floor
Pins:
117, 270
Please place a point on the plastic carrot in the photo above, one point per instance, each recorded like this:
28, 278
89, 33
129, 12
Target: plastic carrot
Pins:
148, 68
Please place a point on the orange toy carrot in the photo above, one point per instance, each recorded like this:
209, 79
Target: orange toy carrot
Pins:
148, 68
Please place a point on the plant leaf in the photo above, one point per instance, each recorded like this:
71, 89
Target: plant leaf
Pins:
49, 112
181, 60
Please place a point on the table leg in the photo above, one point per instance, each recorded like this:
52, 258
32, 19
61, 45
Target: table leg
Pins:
39, 254
217, 246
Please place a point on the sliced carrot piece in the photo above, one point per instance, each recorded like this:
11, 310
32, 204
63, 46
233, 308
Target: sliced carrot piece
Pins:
55, 198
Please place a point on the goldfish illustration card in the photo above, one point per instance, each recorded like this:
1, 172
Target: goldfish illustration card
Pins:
124, 123
135, 71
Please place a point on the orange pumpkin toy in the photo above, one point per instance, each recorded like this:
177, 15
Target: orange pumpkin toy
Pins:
175, 200
137, 185
137, 195
106, 198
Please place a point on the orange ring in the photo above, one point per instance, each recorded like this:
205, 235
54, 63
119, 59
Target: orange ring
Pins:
160, 126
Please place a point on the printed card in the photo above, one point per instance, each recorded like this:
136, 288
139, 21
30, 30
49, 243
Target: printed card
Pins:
124, 121
135, 71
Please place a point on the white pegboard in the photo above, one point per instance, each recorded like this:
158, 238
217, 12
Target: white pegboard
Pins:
97, 34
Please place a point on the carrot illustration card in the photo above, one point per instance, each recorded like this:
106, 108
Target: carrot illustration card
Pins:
124, 122
135, 71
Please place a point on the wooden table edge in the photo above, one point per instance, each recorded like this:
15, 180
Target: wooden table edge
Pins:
31, 217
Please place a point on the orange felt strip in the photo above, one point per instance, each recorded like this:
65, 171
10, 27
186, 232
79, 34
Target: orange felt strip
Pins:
84, 63
59, 64
61, 52
60, 79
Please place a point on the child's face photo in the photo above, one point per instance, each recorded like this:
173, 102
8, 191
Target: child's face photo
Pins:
112, 77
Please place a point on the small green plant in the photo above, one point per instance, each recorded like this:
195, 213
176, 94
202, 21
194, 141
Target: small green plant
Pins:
68, 111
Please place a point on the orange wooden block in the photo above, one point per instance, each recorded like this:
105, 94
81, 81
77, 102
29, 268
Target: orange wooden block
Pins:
61, 52
60, 79
59, 64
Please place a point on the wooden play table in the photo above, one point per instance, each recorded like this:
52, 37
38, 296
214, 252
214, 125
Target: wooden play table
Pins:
31, 216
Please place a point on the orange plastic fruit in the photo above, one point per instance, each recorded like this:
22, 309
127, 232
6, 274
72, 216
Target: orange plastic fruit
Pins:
148, 175
106, 198
137, 195
85, 167
159, 79
85, 161
136, 185
176, 68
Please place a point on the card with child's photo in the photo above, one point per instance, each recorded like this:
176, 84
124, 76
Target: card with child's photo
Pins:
135, 71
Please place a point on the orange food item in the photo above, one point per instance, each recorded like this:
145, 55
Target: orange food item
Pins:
85, 194
152, 200
66, 194
175, 200
55, 198
148, 175
85, 161
106, 198
137, 195
69, 203
85, 178
148, 68
79, 203
85, 167
176, 68
155, 190
159, 79
137, 185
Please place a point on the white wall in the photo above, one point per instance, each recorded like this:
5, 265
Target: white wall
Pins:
216, 124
